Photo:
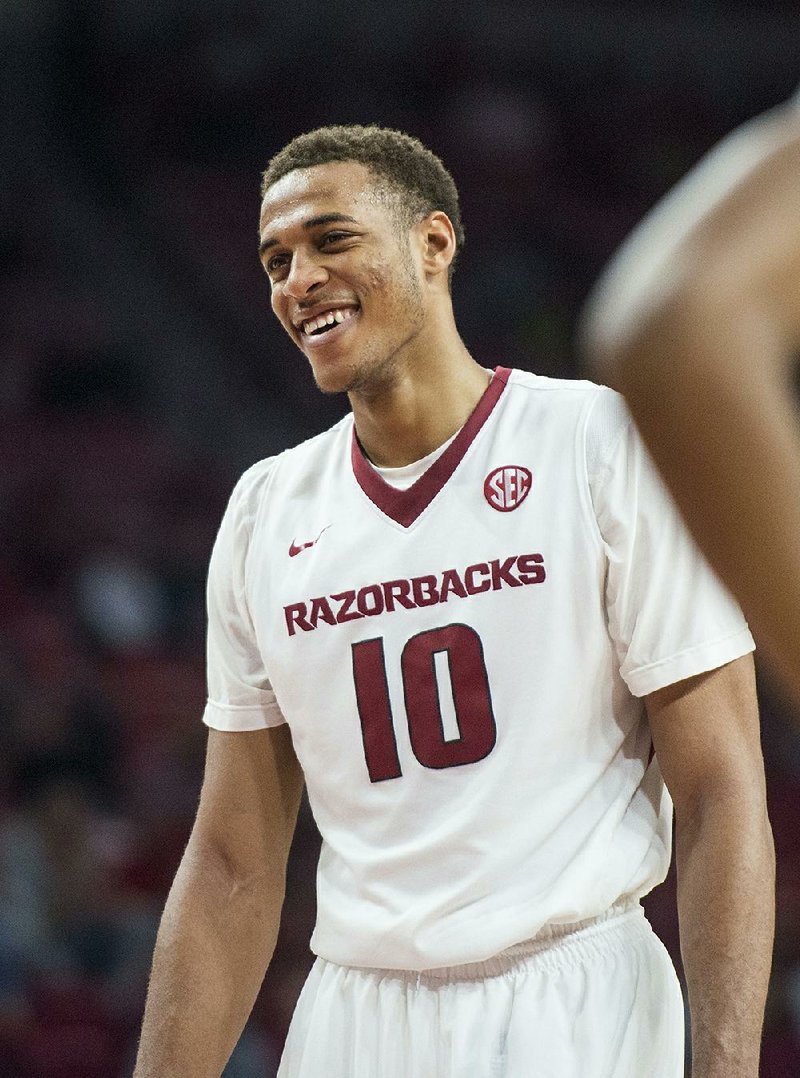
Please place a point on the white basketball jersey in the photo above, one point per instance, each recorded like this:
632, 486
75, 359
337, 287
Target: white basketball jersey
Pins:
460, 664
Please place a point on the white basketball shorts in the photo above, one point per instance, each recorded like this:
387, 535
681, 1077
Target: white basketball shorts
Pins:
599, 999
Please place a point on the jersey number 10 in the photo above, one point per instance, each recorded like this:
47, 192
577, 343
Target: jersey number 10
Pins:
476, 732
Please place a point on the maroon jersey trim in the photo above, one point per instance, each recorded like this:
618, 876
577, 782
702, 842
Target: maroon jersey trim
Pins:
404, 506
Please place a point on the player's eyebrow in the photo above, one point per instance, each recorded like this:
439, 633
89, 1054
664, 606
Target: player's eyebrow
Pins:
312, 222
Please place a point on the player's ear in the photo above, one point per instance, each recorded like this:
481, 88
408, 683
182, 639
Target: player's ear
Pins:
438, 241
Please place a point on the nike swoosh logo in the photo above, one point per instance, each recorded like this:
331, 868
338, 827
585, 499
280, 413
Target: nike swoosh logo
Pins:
295, 548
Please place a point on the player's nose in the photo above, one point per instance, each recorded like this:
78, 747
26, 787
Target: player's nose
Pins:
305, 274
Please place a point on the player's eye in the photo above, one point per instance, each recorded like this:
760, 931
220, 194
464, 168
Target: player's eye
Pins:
333, 237
276, 263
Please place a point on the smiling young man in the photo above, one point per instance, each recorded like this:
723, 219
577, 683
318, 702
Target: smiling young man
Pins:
464, 615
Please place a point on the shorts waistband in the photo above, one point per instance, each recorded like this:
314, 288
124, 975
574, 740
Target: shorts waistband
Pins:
550, 932
552, 940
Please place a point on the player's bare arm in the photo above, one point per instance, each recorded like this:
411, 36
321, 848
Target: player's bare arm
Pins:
222, 916
697, 321
706, 734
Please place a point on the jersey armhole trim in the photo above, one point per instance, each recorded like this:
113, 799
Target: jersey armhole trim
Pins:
584, 484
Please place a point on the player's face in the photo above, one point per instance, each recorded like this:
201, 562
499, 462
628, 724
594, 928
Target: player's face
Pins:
345, 283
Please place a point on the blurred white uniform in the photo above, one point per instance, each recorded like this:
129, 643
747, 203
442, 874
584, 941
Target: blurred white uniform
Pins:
459, 648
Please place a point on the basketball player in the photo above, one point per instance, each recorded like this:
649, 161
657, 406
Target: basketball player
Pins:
464, 616
697, 321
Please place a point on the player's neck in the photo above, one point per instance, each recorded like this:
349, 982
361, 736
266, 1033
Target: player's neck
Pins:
425, 404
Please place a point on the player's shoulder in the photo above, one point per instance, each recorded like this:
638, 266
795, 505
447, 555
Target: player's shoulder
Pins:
566, 388
567, 394
600, 411
306, 456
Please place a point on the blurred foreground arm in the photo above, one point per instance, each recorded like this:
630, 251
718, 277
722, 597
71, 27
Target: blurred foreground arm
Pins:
706, 736
697, 322
222, 916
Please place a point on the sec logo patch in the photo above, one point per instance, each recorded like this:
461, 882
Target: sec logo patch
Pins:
507, 487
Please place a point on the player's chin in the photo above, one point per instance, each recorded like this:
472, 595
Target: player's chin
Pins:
332, 377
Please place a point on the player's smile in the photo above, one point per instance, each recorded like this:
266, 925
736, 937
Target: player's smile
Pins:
326, 325
325, 338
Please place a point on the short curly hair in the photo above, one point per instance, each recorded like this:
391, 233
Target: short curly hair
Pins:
411, 171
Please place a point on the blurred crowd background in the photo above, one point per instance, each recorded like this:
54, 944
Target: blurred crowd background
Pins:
140, 373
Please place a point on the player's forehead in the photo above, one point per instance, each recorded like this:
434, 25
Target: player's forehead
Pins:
341, 187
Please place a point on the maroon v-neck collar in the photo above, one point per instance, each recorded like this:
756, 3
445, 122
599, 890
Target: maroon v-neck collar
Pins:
404, 506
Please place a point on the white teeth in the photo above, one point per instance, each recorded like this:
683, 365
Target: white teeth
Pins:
327, 319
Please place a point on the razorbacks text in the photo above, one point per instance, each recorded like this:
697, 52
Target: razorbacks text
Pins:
416, 591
